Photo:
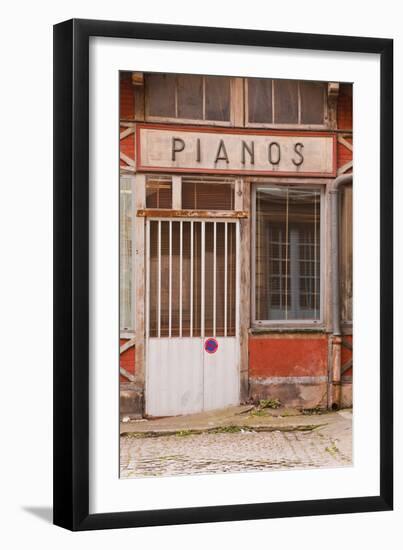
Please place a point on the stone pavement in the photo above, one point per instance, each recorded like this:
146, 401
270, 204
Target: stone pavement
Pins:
234, 440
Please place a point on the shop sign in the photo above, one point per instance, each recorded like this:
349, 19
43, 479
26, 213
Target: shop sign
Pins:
184, 149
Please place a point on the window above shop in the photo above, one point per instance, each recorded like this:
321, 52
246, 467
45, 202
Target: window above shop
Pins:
188, 98
200, 193
190, 192
287, 255
285, 103
159, 192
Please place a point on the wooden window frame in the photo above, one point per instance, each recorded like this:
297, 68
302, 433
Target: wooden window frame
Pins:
318, 324
281, 126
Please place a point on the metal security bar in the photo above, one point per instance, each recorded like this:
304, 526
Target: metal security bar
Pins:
191, 274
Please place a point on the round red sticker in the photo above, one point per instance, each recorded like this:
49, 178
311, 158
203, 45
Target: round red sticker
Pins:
211, 345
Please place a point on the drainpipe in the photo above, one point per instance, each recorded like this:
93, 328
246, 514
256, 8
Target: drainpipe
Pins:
335, 186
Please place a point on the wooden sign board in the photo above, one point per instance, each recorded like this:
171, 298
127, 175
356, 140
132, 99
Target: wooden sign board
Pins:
220, 150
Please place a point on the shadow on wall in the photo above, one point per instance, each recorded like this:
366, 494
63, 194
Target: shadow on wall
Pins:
45, 513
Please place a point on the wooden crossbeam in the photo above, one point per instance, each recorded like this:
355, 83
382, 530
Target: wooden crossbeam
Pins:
126, 132
347, 344
346, 366
127, 345
345, 167
345, 143
127, 374
129, 161
168, 213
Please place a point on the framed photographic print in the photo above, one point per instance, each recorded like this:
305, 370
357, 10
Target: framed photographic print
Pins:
213, 360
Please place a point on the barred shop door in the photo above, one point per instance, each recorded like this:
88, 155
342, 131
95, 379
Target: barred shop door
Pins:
192, 334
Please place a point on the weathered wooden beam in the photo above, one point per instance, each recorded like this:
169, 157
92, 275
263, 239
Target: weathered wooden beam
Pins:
346, 344
168, 213
126, 133
176, 192
139, 190
127, 374
243, 202
137, 78
127, 160
345, 143
344, 168
127, 345
333, 93
346, 366
237, 103
129, 169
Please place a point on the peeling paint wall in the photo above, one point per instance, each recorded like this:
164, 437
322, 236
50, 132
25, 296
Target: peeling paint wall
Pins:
292, 368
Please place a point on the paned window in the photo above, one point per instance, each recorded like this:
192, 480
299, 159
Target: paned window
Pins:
188, 97
287, 254
200, 193
285, 102
158, 192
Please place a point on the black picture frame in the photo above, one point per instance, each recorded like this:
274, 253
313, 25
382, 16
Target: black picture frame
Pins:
71, 274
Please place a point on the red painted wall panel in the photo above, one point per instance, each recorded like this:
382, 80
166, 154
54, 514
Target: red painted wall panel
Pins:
127, 146
344, 122
345, 107
288, 356
126, 99
126, 113
127, 360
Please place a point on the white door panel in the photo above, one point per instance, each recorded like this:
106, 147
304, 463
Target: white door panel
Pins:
192, 294
221, 375
175, 377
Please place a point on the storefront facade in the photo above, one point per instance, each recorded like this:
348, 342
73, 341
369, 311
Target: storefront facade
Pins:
235, 195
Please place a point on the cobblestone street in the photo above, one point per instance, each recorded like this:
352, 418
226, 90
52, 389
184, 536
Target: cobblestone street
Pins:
326, 445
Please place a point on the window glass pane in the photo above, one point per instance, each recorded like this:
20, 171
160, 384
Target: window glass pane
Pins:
346, 253
287, 254
312, 102
260, 100
158, 192
207, 194
190, 97
217, 90
160, 93
126, 322
285, 101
